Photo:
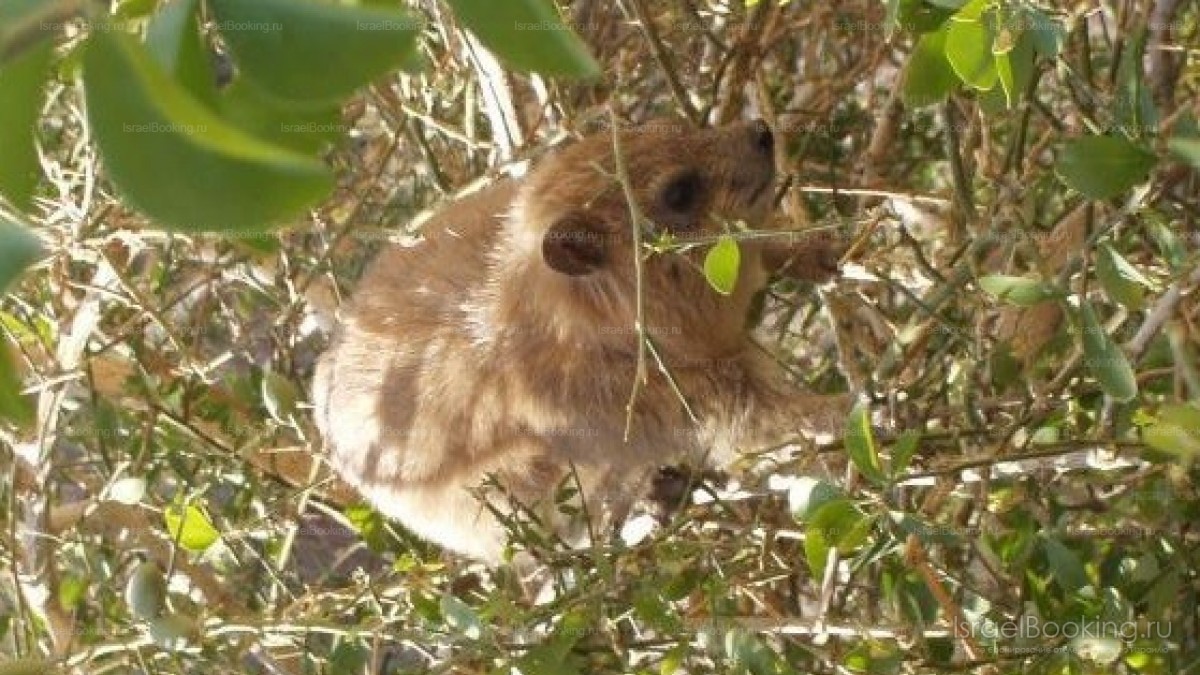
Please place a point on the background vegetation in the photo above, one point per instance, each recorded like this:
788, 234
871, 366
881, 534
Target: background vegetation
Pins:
1018, 185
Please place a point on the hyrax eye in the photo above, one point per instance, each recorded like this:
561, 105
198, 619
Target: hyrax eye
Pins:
682, 192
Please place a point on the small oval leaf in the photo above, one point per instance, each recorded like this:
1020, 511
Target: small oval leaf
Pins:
837, 524
861, 446
1020, 291
1099, 167
1121, 280
721, 265
1104, 358
190, 527
1175, 431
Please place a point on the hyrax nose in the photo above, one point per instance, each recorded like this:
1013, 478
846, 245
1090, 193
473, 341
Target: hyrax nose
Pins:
762, 138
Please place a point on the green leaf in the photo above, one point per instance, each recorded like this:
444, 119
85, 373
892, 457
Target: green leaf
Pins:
721, 265
1169, 246
190, 527
173, 39
528, 35
861, 446
1186, 149
18, 250
1020, 291
807, 495
1104, 358
1047, 33
349, 656
178, 162
1063, 563
311, 50
968, 48
21, 19
135, 9
874, 658
1175, 431
305, 128
1121, 281
1015, 68
928, 77
72, 591
13, 406
837, 524
1135, 111
1099, 167
551, 657
902, 454
21, 82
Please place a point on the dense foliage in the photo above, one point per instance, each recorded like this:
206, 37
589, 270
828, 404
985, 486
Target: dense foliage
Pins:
190, 188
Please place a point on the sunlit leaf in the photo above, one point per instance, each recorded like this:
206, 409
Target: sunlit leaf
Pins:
190, 527
721, 265
969, 51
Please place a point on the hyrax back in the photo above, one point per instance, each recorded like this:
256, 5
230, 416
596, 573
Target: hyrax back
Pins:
504, 345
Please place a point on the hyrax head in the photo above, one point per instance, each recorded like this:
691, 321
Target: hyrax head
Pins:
576, 233
687, 183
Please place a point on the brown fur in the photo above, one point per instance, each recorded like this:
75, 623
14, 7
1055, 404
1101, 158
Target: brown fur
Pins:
503, 344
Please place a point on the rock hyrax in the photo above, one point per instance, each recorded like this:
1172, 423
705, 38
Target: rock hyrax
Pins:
503, 344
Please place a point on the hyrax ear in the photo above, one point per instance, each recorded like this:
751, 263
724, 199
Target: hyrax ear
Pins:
576, 245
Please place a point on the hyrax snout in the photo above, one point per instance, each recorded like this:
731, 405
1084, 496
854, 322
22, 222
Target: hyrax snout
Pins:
505, 344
